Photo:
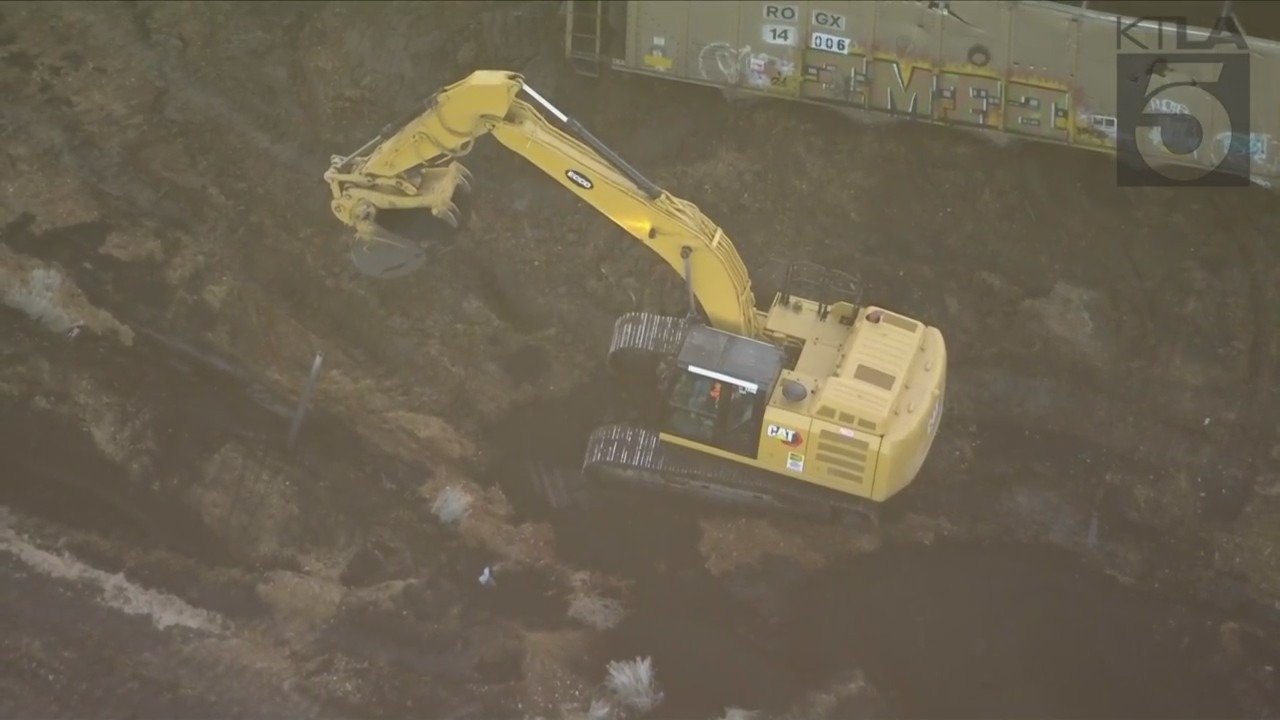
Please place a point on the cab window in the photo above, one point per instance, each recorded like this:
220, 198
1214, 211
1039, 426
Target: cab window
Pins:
716, 413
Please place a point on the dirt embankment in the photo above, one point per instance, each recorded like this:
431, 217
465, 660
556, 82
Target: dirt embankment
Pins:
171, 268
170, 273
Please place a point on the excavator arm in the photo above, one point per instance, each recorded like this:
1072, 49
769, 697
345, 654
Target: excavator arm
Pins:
412, 166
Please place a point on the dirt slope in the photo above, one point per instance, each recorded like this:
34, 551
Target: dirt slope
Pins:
171, 269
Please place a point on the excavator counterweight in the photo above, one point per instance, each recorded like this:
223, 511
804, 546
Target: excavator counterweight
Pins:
819, 403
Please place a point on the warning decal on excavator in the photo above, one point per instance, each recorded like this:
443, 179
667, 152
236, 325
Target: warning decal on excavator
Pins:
795, 462
579, 179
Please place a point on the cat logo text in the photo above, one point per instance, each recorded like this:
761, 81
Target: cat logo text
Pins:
789, 437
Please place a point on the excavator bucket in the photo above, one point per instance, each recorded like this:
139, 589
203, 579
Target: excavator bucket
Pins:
396, 242
386, 257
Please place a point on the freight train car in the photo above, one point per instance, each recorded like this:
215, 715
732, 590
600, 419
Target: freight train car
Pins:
1045, 71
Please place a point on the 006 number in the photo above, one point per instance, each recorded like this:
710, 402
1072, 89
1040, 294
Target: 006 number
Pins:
829, 43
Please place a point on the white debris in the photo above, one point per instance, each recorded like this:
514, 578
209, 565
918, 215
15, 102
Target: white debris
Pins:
735, 713
38, 296
47, 296
486, 577
633, 684
451, 505
600, 709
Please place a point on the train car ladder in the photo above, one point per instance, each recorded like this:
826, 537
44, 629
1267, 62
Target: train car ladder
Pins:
582, 35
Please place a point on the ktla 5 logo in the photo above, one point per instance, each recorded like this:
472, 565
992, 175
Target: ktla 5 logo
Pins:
1185, 106
789, 437
1175, 108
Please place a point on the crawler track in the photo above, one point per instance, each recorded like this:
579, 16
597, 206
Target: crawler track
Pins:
642, 340
623, 455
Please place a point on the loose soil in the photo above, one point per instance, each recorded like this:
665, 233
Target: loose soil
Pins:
1093, 536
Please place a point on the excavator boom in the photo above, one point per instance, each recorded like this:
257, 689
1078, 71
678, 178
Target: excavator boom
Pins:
413, 166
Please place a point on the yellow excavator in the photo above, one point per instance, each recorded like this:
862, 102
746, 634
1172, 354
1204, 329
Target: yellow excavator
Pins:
817, 404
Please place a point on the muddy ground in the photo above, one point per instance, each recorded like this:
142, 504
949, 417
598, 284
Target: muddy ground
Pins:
1093, 537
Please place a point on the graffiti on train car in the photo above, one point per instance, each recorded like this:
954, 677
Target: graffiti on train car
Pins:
1262, 148
914, 88
723, 63
911, 88
967, 96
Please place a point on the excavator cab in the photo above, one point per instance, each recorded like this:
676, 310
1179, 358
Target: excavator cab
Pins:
720, 388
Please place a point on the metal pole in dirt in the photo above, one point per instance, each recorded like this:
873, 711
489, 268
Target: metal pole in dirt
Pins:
310, 387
